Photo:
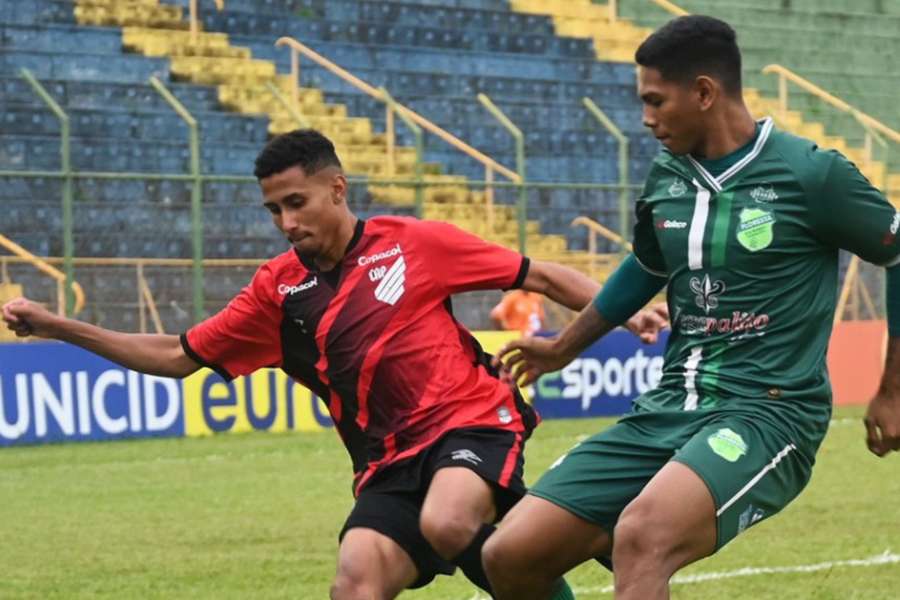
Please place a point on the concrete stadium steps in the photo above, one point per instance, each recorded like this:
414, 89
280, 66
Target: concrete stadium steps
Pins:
612, 40
792, 34
132, 12
34, 118
93, 94
774, 29
211, 60
119, 154
418, 46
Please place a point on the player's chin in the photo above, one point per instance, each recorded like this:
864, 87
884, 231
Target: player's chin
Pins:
305, 246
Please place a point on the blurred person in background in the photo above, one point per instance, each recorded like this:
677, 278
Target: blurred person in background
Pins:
521, 311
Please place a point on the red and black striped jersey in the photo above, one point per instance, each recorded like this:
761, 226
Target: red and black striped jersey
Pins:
375, 337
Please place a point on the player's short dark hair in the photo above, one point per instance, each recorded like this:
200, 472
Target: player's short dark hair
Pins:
694, 45
306, 148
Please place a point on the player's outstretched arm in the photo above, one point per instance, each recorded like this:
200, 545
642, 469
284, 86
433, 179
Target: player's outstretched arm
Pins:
526, 359
575, 291
561, 284
152, 354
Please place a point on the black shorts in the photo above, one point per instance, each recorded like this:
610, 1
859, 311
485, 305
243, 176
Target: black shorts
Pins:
391, 502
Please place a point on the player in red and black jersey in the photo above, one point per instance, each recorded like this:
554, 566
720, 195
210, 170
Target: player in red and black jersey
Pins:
359, 312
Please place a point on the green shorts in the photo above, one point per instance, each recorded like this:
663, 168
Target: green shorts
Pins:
754, 456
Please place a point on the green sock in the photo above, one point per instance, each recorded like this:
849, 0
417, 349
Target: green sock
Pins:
562, 591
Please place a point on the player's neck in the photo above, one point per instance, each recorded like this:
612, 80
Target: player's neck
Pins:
731, 129
335, 253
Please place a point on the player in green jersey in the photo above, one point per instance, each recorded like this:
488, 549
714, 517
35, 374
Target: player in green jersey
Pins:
744, 224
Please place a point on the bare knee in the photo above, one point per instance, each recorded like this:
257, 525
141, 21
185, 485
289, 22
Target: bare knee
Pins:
449, 534
643, 539
354, 586
498, 558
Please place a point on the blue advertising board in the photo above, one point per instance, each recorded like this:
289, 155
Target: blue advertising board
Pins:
604, 380
52, 392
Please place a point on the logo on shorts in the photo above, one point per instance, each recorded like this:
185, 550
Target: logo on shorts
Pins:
727, 444
750, 517
678, 188
708, 292
466, 455
755, 232
504, 415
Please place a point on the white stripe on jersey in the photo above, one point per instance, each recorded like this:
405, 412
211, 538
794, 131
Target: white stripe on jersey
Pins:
690, 378
698, 227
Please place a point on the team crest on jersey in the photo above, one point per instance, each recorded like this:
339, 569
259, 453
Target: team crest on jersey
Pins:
763, 194
678, 188
391, 287
755, 231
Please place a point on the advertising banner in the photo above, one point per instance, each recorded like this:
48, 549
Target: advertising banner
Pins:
604, 380
53, 392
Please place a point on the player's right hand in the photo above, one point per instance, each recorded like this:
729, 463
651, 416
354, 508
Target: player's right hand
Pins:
522, 361
26, 318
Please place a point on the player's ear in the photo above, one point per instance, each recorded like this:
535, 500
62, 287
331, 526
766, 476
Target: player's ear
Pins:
706, 91
338, 188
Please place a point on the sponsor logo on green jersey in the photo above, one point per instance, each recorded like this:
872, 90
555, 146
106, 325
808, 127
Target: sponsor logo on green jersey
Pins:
764, 194
727, 444
739, 322
755, 230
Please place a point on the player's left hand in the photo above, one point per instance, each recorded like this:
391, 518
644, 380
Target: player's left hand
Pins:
882, 423
646, 324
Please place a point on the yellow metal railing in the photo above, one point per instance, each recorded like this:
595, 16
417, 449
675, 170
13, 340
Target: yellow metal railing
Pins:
195, 21
491, 166
855, 295
872, 126
42, 265
594, 229
667, 6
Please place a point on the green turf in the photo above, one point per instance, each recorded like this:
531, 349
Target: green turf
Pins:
256, 516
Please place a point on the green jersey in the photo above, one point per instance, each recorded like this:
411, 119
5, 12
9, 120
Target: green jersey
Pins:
751, 258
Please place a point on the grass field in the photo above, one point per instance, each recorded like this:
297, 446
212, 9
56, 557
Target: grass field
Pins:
256, 516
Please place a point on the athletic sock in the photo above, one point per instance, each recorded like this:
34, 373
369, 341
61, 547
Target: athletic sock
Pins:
469, 560
562, 591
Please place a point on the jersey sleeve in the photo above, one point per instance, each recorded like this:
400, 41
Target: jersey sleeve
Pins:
464, 262
851, 214
242, 337
646, 245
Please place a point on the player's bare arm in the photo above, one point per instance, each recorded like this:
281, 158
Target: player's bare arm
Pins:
573, 290
526, 359
160, 355
883, 415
